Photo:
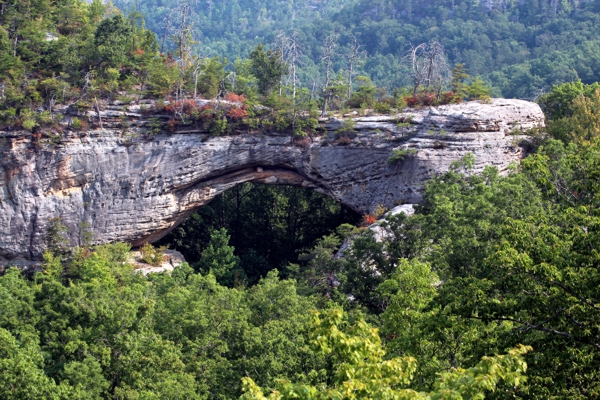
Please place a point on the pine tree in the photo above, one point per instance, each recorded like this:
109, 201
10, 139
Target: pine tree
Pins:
457, 82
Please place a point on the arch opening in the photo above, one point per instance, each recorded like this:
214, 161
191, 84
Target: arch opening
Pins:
269, 225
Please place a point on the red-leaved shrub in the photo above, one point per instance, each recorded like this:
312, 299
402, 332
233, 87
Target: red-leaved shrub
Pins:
237, 98
450, 98
369, 219
170, 107
428, 99
411, 101
207, 111
237, 113
189, 106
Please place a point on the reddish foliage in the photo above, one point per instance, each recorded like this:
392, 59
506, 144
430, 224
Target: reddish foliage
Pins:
237, 98
189, 106
172, 124
369, 219
207, 112
422, 99
237, 113
411, 101
450, 98
170, 107
428, 99
139, 52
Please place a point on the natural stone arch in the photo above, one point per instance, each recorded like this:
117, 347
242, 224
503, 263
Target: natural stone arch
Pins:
204, 192
137, 189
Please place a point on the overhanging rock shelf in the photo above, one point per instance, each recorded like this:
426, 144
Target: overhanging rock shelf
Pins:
135, 188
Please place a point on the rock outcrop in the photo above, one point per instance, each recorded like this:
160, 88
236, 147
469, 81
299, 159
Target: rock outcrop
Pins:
171, 260
128, 186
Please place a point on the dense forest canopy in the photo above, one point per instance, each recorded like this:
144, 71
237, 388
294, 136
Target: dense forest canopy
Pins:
489, 290
519, 47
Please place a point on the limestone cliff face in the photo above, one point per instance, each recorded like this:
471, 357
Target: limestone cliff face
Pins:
131, 187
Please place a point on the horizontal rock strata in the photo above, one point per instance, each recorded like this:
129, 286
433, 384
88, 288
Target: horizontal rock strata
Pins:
133, 187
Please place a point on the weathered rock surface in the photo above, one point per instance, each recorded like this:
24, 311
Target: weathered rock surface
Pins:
134, 188
172, 259
380, 234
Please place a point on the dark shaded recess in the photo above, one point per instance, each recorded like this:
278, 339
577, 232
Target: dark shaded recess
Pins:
269, 225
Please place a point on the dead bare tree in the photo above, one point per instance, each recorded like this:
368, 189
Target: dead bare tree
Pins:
184, 28
184, 36
290, 53
167, 23
438, 70
281, 44
416, 58
353, 57
295, 53
428, 66
328, 91
196, 74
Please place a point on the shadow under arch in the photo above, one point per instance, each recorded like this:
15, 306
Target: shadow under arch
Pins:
270, 223
194, 196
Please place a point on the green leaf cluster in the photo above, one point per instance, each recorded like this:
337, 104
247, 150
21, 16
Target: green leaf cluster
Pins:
361, 372
91, 327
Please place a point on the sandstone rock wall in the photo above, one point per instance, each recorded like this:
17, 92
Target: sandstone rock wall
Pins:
131, 187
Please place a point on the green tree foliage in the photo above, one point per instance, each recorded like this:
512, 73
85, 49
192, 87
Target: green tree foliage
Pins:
457, 82
218, 258
559, 102
67, 52
21, 365
113, 41
56, 242
361, 372
270, 226
478, 90
319, 265
108, 332
268, 67
519, 48
213, 74
513, 260
364, 96
572, 110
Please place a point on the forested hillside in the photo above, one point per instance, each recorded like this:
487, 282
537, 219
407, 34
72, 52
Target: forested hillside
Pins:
521, 48
490, 290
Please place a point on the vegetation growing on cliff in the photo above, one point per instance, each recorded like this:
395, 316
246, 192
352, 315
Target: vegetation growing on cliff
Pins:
490, 289
74, 57
492, 275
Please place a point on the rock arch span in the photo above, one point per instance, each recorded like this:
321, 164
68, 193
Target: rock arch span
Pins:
136, 189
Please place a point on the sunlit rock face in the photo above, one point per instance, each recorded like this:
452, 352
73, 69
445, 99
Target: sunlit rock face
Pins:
132, 187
